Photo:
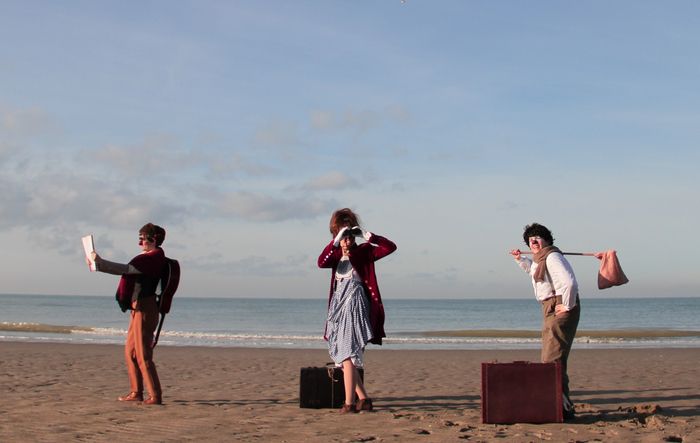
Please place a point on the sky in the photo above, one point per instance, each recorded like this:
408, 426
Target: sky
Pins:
240, 126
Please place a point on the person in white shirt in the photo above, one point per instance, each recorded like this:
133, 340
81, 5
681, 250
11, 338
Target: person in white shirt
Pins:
556, 289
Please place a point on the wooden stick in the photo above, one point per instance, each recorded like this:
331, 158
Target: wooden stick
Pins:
590, 254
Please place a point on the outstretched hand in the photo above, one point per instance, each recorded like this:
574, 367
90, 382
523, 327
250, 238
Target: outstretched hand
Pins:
515, 253
95, 258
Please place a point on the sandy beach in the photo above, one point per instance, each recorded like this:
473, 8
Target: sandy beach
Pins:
65, 392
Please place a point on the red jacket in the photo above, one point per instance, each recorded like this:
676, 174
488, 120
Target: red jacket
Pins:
139, 286
362, 258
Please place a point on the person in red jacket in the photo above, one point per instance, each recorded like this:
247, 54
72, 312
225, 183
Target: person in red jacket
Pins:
137, 291
355, 309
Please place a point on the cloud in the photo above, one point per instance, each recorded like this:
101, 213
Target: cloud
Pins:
6, 150
287, 138
154, 156
25, 122
162, 155
356, 121
57, 208
12, 202
55, 199
265, 208
19, 126
279, 135
291, 265
236, 164
333, 181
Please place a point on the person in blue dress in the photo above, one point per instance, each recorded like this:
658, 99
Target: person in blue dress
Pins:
355, 309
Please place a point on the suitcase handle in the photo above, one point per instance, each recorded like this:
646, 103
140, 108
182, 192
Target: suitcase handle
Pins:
330, 368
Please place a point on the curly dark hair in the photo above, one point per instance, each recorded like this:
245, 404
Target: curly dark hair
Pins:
536, 229
342, 218
153, 233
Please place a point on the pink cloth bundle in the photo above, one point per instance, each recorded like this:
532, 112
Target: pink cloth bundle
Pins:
610, 273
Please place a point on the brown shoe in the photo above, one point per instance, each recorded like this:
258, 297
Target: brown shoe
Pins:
153, 401
131, 396
347, 409
364, 404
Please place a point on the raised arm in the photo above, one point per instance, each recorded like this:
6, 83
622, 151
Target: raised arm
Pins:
330, 256
524, 262
110, 267
382, 245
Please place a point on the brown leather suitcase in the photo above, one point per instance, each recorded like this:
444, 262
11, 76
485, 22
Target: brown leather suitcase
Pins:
322, 387
521, 392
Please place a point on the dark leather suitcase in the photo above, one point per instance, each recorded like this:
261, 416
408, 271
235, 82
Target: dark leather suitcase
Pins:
521, 392
322, 387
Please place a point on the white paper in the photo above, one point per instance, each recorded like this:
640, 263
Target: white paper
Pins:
89, 248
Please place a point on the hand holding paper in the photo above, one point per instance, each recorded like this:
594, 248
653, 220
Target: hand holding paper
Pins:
89, 248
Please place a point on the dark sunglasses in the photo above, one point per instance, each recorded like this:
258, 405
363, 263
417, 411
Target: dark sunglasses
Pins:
145, 239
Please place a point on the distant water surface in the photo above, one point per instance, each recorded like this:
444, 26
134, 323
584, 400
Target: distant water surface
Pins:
410, 324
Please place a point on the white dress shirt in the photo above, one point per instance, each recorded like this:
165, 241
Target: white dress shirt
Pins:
563, 282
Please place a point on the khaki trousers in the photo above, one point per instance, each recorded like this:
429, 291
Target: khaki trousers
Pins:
138, 351
558, 332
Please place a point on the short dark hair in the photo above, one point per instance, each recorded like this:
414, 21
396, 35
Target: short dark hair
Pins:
536, 229
154, 232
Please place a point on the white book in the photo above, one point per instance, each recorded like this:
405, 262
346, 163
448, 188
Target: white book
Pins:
89, 248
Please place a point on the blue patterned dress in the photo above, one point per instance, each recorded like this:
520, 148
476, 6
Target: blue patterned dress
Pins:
349, 329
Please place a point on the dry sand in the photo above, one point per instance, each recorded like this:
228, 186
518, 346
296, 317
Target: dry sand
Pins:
63, 392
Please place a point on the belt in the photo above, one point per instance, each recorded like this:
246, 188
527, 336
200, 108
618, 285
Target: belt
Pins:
558, 299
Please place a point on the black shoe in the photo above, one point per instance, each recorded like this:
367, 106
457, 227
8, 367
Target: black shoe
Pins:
569, 414
568, 408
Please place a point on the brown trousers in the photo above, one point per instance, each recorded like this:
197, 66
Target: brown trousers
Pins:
558, 332
138, 351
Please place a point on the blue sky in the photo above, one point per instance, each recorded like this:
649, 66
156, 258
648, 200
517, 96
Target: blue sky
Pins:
240, 126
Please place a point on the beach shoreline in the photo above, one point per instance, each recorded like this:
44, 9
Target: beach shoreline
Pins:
59, 392
419, 324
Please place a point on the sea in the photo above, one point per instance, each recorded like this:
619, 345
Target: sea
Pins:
299, 323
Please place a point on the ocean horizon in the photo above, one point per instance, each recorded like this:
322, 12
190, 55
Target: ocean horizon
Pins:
299, 323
